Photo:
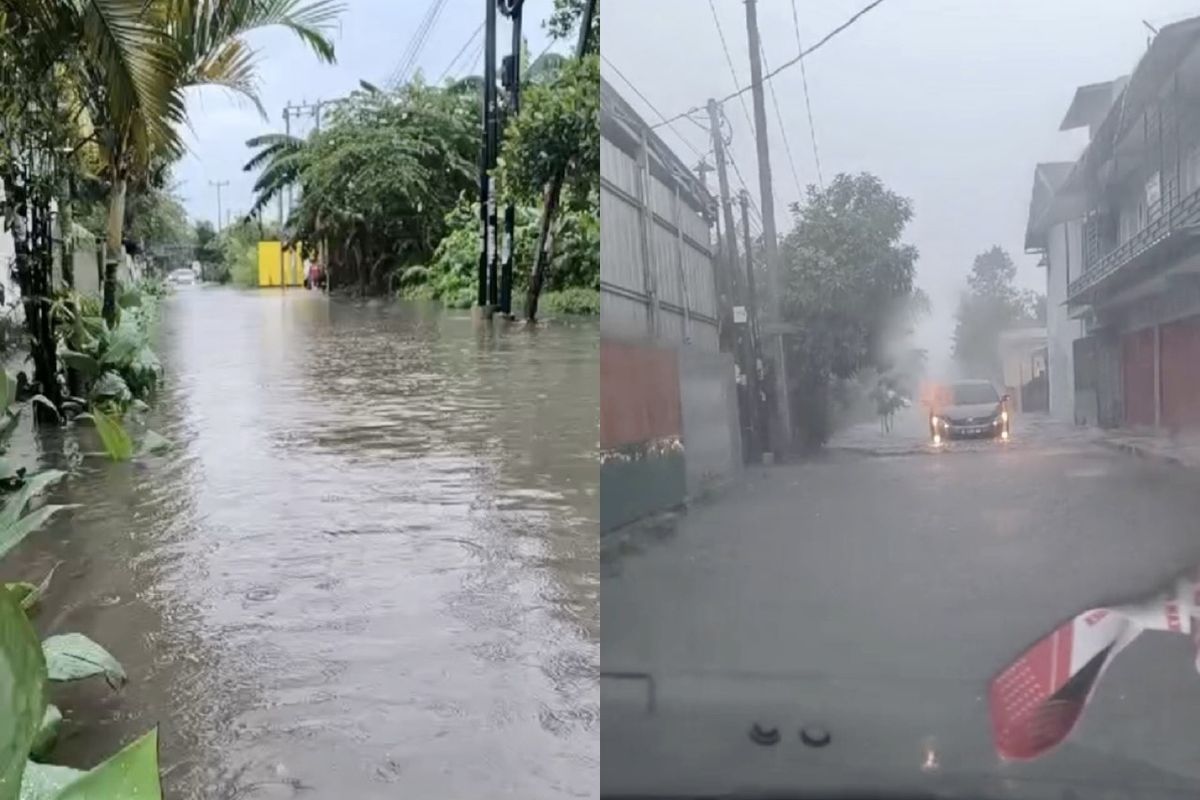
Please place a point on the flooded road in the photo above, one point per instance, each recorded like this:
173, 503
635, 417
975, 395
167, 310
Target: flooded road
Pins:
368, 569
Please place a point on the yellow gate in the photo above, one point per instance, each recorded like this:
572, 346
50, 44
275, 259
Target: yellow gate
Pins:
279, 266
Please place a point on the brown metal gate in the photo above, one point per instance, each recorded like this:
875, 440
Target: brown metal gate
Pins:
1179, 348
1137, 377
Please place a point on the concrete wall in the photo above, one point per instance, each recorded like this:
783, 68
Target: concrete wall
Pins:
711, 431
1065, 263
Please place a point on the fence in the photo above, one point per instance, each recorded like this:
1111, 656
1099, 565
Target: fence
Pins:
668, 408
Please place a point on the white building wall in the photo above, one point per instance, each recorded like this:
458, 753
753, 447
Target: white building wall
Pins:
1065, 262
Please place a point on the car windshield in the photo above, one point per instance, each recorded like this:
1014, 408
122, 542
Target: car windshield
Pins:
869, 412
970, 394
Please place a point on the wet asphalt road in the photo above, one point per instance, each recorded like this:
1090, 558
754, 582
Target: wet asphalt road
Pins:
874, 597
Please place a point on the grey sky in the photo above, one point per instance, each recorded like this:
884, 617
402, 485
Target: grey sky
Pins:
950, 102
373, 36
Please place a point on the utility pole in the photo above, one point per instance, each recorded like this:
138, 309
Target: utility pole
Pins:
781, 430
726, 274
735, 328
512, 82
218, 184
755, 372
488, 296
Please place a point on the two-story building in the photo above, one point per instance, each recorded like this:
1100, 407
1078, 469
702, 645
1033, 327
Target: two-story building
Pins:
1120, 232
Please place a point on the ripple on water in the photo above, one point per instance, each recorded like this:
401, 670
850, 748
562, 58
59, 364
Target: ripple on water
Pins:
367, 563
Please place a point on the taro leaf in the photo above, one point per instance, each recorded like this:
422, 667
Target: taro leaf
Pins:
130, 298
8, 388
23, 676
111, 385
28, 594
131, 773
8, 423
11, 536
73, 656
95, 326
44, 401
116, 439
24, 592
34, 484
47, 781
82, 363
139, 405
47, 733
123, 343
154, 442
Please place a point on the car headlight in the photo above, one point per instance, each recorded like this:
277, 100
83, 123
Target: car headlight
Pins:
1004, 415
934, 421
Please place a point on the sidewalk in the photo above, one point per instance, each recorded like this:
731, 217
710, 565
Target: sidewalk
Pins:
1183, 450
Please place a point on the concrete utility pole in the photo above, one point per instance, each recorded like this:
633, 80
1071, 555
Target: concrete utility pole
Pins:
781, 430
488, 295
727, 284
218, 184
755, 371
511, 80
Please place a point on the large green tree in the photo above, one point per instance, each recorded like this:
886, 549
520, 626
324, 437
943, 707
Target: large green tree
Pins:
991, 304
847, 277
377, 183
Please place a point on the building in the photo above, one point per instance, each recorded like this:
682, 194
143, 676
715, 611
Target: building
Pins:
1023, 356
1118, 230
668, 403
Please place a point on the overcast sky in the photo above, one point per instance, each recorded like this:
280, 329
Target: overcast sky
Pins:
373, 36
950, 102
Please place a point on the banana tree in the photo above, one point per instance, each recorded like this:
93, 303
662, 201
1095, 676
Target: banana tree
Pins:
134, 61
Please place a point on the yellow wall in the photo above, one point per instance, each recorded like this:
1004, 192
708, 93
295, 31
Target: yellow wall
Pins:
272, 267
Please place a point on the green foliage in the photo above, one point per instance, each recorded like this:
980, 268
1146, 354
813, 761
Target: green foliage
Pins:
575, 300
379, 180
558, 129
15, 525
23, 674
846, 276
564, 20
992, 304
117, 441
450, 275
73, 656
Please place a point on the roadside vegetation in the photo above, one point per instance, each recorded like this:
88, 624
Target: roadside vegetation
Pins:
388, 188
91, 108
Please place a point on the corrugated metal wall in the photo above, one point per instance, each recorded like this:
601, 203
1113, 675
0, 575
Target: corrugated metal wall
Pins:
675, 265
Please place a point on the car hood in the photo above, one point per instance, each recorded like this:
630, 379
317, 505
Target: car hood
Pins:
687, 735
970, 410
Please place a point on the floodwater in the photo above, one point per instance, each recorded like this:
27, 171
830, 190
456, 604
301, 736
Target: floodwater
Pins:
368, 568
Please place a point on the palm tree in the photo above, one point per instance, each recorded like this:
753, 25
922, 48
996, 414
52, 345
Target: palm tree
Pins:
281, 158
132, 62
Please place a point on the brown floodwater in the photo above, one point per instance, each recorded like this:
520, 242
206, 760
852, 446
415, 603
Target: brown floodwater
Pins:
368, 568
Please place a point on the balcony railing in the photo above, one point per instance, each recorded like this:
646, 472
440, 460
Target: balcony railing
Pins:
1176, 217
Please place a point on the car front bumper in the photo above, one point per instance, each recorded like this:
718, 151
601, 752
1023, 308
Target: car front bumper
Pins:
986, 430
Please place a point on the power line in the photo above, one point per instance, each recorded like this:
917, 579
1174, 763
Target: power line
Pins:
459, 55
652, 107
729, 61
803, 54
417, 43
787, 147
812, 129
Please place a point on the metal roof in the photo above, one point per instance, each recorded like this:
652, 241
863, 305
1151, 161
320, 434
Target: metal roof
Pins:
1048, 177
1091, 103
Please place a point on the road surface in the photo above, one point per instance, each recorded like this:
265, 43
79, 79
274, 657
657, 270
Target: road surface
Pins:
366, 570
873, 594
